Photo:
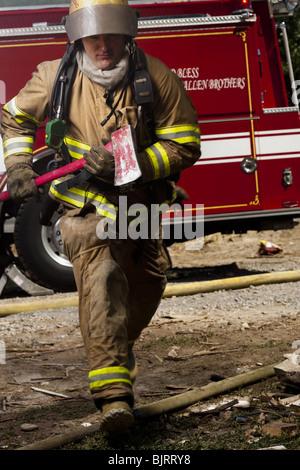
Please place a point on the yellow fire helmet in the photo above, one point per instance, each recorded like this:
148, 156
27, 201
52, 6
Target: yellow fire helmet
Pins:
93, 17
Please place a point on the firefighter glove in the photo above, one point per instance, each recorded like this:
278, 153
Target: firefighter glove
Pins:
20, 182
100, 163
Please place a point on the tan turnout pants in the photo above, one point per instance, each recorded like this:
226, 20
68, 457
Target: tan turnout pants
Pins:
117, 298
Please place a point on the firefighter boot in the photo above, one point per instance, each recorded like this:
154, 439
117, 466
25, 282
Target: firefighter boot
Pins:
116, 418
133, 367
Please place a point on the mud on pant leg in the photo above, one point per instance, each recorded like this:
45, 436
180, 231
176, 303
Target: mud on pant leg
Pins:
147, 282
103, 309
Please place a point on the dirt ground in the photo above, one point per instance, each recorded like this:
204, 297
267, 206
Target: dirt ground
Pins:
192, 341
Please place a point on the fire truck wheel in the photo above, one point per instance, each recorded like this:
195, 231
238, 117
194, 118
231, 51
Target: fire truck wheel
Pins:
39, 248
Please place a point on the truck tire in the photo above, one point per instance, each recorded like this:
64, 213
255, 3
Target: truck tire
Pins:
39, 249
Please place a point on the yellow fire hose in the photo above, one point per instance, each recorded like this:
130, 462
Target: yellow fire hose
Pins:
231, 283
167, 405
171, 290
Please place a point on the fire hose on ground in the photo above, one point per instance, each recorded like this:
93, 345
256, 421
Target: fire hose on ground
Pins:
160, 407
172, 290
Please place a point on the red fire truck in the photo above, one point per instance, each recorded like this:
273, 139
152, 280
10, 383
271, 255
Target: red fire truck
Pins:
226, 53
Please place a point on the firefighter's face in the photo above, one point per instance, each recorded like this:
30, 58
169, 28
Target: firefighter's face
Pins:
104, 50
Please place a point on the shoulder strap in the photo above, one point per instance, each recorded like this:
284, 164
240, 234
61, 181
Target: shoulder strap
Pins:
60, 97
63, 83
142, 85
143, 90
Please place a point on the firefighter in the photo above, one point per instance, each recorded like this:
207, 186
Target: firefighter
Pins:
120, 280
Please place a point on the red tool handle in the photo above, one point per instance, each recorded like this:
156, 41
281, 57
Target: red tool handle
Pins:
52, 175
